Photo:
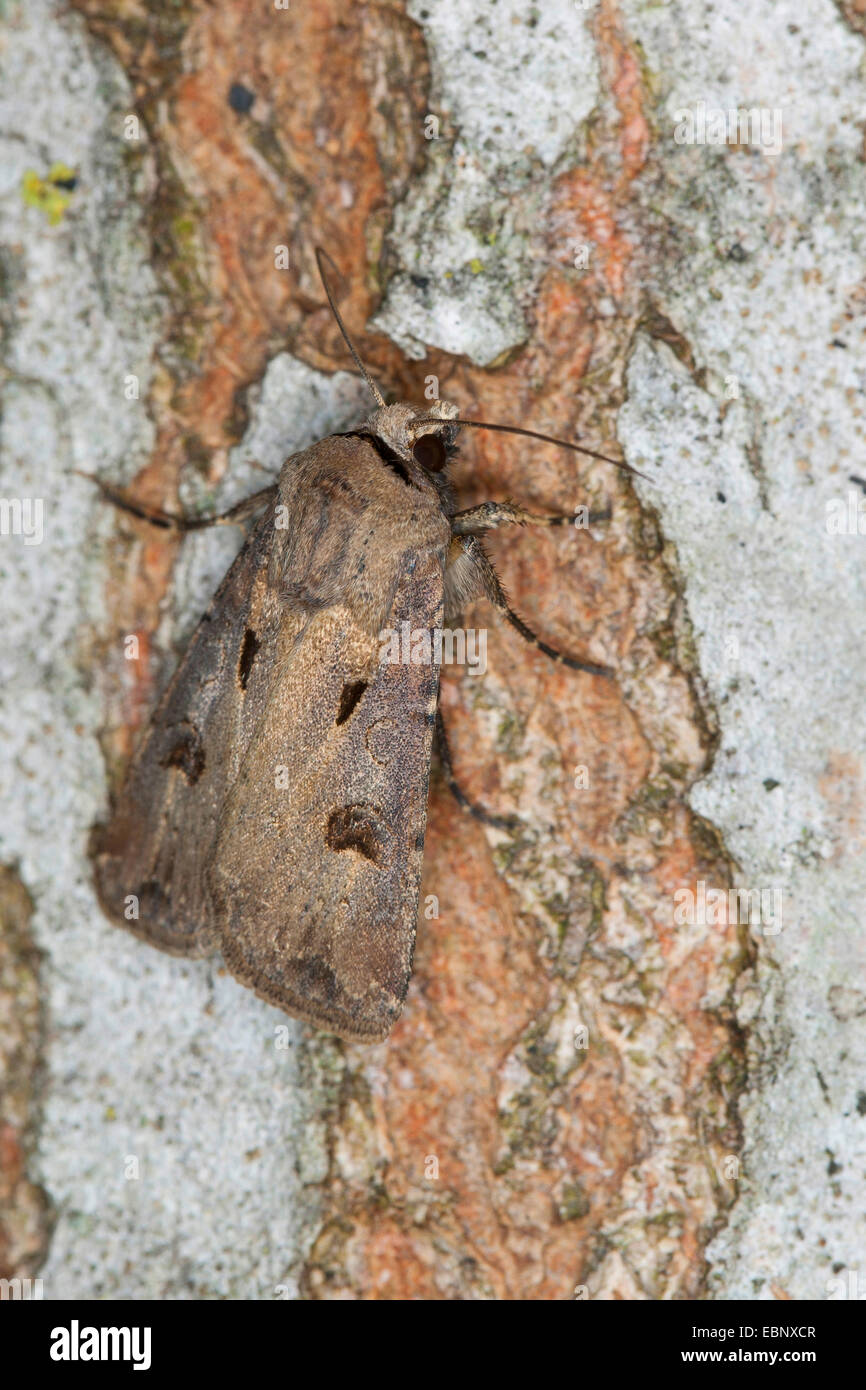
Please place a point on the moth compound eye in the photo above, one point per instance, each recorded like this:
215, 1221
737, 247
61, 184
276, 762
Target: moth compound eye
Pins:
430, 452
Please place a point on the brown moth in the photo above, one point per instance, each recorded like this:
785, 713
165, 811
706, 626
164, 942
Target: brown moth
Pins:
276, 808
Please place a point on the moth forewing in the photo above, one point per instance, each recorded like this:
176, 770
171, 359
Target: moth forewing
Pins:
300, 759
316, 875
316, 868
151, 857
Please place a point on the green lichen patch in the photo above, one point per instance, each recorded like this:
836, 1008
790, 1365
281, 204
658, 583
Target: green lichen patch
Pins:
49, 193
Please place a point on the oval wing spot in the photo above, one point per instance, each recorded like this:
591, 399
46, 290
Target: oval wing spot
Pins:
249, 647
359, 827
349, 700
381, 741
187, 753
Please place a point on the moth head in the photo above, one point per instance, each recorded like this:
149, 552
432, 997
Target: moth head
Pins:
422, 437
425, 439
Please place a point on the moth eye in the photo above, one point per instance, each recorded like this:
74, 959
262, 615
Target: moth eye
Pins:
430, 452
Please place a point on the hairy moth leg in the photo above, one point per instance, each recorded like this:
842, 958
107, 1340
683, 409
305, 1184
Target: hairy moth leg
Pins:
488, 516
483, 572
471, 807
121, 499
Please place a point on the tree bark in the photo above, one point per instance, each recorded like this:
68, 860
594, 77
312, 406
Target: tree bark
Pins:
600, 1086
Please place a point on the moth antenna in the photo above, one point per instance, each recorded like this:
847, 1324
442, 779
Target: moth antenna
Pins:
533, 434
323, 256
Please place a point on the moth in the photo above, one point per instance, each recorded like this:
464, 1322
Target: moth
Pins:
276, 807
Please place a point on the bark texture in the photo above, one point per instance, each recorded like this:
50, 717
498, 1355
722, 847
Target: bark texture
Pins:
583, 1093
